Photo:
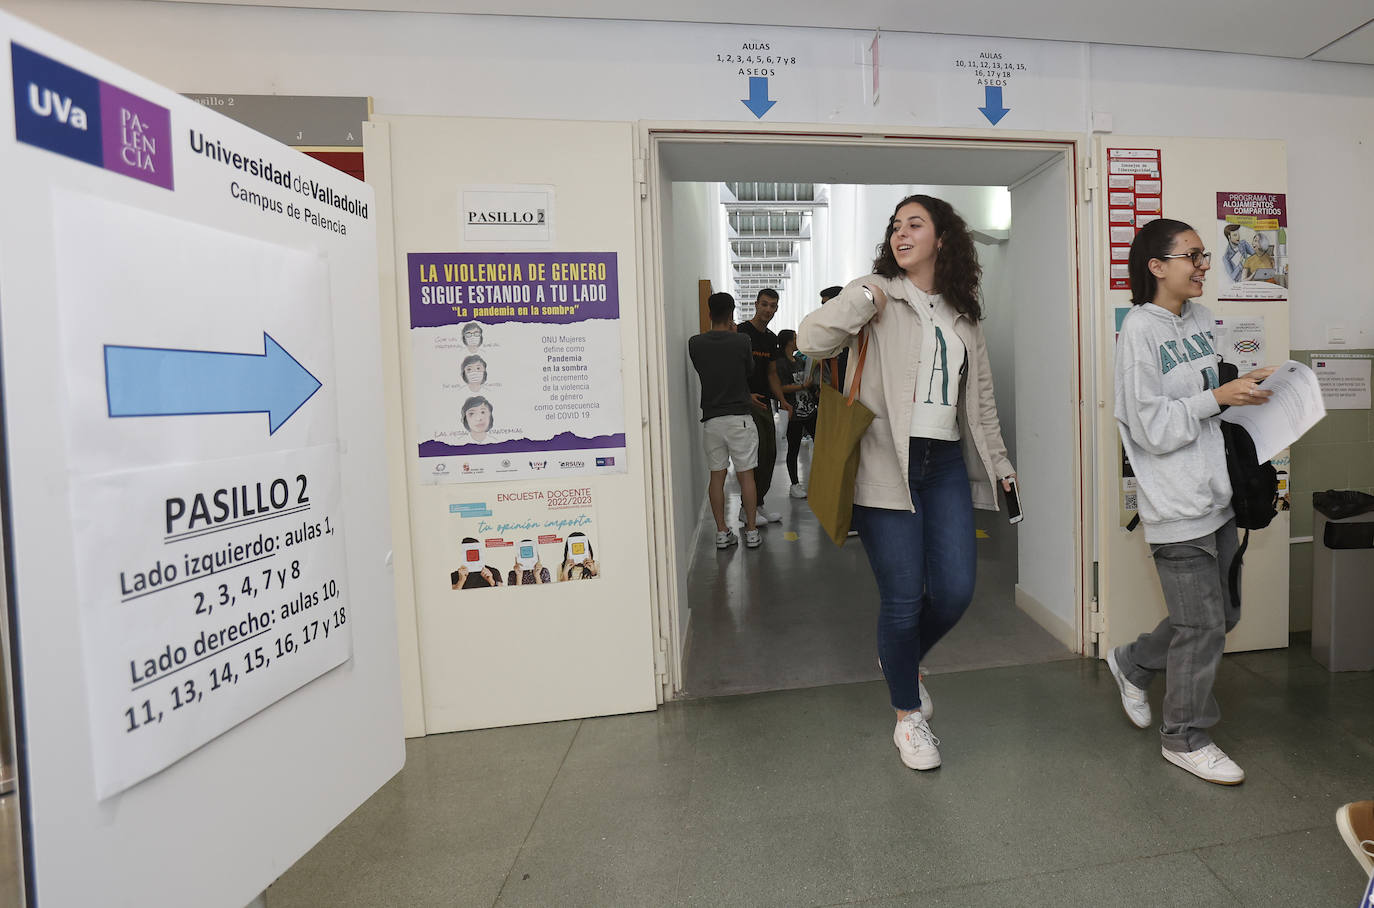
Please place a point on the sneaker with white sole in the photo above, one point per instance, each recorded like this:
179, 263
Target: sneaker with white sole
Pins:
1133, 699
797, 491
773, 516
752, 538
760, 518
927, 704
1209, 763
917, 744
1356, 823
726, 538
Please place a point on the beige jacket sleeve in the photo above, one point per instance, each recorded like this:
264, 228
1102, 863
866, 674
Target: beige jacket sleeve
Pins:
828, 330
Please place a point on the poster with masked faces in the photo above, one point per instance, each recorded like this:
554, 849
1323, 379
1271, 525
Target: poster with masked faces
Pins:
516, 365
522, 537
1250, 261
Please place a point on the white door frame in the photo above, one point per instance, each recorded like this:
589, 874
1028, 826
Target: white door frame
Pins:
651, 136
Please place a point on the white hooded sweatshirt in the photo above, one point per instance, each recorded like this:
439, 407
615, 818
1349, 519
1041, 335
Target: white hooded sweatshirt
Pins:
1166, 366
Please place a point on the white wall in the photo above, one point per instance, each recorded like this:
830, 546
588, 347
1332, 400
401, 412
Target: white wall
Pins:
999, 327
581, 69
694, 250
1038, 298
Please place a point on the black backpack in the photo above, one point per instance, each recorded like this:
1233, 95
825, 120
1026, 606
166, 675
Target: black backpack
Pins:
1254, 485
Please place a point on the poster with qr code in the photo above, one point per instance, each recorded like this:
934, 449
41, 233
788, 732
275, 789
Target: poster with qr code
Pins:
1128, 490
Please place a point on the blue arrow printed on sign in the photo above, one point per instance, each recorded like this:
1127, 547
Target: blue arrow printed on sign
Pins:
992, 104
758, 102
148, 381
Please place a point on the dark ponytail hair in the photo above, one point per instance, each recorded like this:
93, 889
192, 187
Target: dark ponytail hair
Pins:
957, 272
1155, 240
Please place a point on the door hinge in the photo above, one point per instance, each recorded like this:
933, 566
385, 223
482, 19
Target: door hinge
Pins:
641, 169
661, 658
1088, 178
1096, 622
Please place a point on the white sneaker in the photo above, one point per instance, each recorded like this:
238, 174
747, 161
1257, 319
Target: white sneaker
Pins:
1210, 763
725, 539
752, 538
760, 518
773, 516
1133, 699
919, 747
1356, 823
927, 704
797, 491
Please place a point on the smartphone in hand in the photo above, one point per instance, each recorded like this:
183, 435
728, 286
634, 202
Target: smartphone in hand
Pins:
1012, 500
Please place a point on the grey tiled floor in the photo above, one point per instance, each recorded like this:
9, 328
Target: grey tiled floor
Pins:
799, 612
1048, 797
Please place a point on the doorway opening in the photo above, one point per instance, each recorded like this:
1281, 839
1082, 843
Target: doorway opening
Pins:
800, 213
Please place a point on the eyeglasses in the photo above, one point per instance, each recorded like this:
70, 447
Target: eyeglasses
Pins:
1197, 258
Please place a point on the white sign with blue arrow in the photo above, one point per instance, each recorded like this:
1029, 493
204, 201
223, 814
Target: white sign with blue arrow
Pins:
992, 72
206, 506
758, 61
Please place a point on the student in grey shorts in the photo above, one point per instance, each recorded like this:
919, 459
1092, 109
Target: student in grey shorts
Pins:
1168, 397
723, 360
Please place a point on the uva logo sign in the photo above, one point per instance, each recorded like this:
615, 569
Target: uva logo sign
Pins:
47, 103
65, 111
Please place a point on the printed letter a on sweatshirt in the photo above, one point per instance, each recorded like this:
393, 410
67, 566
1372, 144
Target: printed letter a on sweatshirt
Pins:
1166, 362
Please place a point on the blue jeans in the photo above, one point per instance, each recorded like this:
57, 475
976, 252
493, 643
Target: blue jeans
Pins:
924, 563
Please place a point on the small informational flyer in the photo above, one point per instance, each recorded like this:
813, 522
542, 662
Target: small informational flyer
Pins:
1252, 244
1240, 341
1135, 197
1344, 380
524, 536
1283, 466
516, 365
1128, 502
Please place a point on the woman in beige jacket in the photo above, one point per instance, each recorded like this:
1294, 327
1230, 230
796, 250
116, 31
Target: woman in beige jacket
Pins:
934, 451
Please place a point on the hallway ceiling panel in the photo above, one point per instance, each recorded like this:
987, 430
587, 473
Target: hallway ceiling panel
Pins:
708, 162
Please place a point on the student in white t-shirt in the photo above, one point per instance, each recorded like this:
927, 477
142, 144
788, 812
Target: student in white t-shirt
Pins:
934, 451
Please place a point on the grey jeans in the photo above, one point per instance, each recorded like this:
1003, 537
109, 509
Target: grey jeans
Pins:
1187, 645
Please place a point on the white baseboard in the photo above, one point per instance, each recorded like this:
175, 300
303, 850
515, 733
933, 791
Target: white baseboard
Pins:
1060, 629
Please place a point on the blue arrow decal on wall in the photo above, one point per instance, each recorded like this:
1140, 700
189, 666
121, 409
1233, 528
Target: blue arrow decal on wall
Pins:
758, 102
992, 104
150, 381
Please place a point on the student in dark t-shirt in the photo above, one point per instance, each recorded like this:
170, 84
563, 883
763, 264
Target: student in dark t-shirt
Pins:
765, 387
723, 360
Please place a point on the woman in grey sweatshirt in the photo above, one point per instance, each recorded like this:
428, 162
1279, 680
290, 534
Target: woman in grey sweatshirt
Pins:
1168, 398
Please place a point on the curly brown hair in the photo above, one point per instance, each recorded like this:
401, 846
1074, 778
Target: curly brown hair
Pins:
957, 272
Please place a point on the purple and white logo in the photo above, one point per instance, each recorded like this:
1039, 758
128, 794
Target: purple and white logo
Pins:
137, 136
63, 110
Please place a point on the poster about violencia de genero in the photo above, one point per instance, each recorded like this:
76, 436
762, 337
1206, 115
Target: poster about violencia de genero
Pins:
516, 365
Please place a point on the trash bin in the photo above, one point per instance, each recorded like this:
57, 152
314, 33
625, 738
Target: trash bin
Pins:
1343, 580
